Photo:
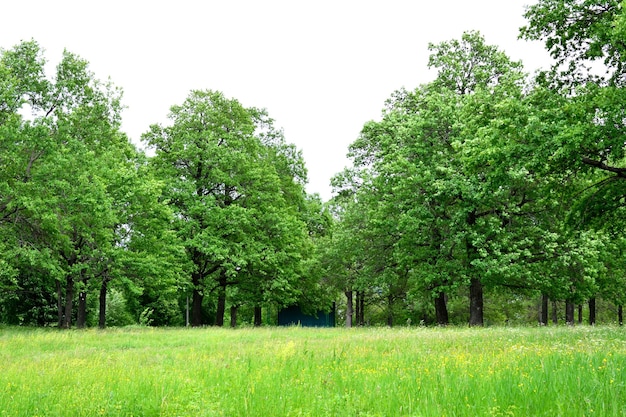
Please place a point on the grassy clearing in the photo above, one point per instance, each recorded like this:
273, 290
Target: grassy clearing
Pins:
314, 372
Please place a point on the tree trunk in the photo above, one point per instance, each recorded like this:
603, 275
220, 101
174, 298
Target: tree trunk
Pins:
196, 300
580, 314
221, 304
569, 313
543, 315
81, 317
360, 304
349, 309
60, 304
361, 315
555, 317
187, 311
476, 287
102, 313
257, 316
357, 307
620, 315
102, 305
476, 303
441, 309
592, 311
69, 300
233, 316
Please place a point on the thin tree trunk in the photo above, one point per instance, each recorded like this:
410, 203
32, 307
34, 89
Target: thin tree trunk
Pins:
555, 317
580, 314
476, 303
357, 307
102, 301
620, 315
258, 318
233, 316
592, 311
81, 317
543, 315
569, 313
60, 304
196, 300
349, 309
361, 315
476, 287
441, 309
221, 304
69, 300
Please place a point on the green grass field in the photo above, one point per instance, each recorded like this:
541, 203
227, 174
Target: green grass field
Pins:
552, 371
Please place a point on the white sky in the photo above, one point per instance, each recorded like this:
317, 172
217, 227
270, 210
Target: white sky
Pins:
321, 68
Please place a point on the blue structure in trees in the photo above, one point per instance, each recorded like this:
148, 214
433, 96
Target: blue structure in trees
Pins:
293, 316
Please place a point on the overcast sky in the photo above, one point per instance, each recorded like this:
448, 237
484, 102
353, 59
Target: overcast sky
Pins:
321, 68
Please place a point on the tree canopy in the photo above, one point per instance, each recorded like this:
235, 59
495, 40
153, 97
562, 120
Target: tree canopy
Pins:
475, 197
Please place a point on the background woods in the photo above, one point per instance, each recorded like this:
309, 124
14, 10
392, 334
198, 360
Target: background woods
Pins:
488, 195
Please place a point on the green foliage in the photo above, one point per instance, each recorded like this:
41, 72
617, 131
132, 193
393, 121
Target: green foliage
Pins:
468, 65
444, 197
487, 178
145, 317
483, 180
578, 33
236, 190
74, 204
117, 310
585, 151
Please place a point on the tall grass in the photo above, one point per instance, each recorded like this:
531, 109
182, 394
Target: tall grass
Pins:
551, 371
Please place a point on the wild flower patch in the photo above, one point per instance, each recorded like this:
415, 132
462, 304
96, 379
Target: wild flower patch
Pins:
314, 372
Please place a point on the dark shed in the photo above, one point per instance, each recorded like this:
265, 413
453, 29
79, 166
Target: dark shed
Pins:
293, 316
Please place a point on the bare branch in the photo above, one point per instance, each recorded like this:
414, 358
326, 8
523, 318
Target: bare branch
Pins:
621, 172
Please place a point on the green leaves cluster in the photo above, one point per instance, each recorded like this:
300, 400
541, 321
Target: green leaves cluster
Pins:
487, 178
75, 202
219, 209
236, 189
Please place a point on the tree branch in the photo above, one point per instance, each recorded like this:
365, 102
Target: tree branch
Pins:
621, 172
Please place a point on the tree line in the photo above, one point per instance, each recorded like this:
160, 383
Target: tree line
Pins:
488, 192
218, 213
491, 179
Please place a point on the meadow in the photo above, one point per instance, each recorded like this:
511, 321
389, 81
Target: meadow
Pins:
550, 371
